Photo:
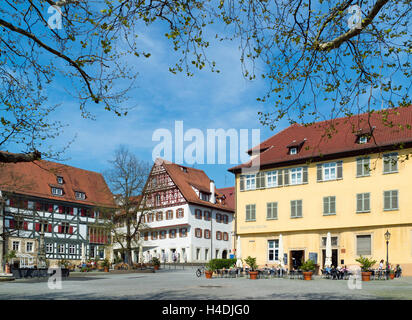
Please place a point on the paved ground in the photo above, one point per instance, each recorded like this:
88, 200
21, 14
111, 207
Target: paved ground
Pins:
184, 285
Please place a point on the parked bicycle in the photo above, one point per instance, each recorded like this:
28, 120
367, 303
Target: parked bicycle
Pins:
200, 271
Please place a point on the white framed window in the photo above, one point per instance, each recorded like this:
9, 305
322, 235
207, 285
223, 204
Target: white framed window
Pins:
363, 202
293, 150
72, 249
29, 246
49, 247
296, 208
250, 182
390, 163
272, 210
329, 205
80, 195
390, 200
273, 250
272, 179
57, 191
61, 248
16, 245
363, 139
363, 167
329, 171
60, 180
251, 212
296, 175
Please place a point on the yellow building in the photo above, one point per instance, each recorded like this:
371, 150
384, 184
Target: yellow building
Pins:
355, 183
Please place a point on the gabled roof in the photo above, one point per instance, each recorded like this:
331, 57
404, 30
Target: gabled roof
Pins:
185, 179
229, 194
336, 138
36, 178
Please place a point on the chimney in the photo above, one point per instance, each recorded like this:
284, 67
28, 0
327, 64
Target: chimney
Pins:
212, 192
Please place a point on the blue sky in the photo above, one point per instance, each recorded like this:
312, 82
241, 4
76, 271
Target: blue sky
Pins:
205, 101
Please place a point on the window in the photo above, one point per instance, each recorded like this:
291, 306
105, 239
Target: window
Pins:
146, 236
150, 217
296, 208
271, 179
363, 202
363, 167
293, 150
16, 245
225, 219
390, 163
61, 248
207, 234
198, 233
295, 175
204, 196
169, 214
197, 254
225, 236
329, 171
333, 241
183, 232
60, 180
207, 215
29, 246
65, 228
390, 200
363, 139
250, 182
80, 195
158, 199
198, 214
159, 216
363, 245
72, 249
329, 205
251, 212
272, 210
179, 213
57, 191
206, 254
154, 235
162, 234
218, 218
172, 233
218, 235
49, 247
273, 250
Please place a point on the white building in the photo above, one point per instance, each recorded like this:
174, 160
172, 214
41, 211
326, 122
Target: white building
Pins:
190, 220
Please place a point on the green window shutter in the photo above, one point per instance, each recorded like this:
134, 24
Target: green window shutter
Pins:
359, 202
299, 205
319, 172
293, 208
339, 169
275, 210
386, 163
242, 183
280, 177
247, 212
332, 205
269, 210
366, 202
394, 162
253, 212
387, 200
258, 180
394, 199
305, 174
286, 176
359, 167
325, 205
262, 179
363, 245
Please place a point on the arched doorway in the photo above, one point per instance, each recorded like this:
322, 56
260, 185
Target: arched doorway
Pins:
224, 254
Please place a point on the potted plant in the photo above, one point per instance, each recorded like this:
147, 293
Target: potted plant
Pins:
9, 256
106, 265
251, 262
308, 267
366, 265
210, 268
392, 273
156, 263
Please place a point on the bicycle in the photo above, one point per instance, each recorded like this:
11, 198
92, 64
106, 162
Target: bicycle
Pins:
200, 271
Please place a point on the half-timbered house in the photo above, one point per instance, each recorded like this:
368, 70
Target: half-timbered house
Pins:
54, 210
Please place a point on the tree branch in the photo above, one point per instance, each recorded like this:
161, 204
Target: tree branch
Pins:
7, 157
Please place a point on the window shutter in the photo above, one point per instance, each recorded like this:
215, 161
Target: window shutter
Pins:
37, 227
11, 224
366, 202
280, 177
26, 204
387, 200
262, 180
332, 205
60, 209
242, 183
11, 202
339, 169
363, 245
305, 174
25, 225
319, 172
359, 167
50, 208
394, 199
286, 176
60, 229
49, 228
71, 230
325, 205
71, 211
299, 206
359, 202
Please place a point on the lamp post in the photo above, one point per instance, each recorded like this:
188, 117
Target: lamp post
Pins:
387, 237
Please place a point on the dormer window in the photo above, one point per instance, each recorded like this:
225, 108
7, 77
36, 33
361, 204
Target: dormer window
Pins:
60, 180
295, 146
363, 139
57, 191
183, 169
80, 195
293, 150
204, 196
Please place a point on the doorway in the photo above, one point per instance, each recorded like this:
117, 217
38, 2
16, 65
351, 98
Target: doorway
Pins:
224, 254
334, 257
297, 257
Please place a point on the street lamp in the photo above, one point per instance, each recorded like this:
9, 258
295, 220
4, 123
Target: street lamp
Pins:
387, 237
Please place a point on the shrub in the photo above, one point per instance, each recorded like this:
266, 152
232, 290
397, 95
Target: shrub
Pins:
251, 262
222, 263
307, 266
365, 263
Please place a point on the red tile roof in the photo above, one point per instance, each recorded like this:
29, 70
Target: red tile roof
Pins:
192, 177
336, 138
36, 178
229, 193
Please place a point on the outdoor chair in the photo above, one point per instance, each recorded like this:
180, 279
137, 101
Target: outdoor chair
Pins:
300, 274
